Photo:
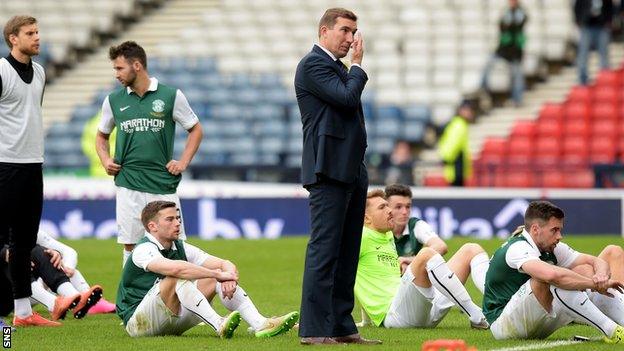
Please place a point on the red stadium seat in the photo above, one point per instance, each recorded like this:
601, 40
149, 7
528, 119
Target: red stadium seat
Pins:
470, 182
609, 78
551, 111
575, 152
604, 129
602, 150
577, 110
572, 144
605, 110
580, 94
606, 94
548, 129
519, 179
581, 178
576, 128
435, 180
524, 129
493, 148
575, 158
484, 171
553, 179
547, 153
520, 151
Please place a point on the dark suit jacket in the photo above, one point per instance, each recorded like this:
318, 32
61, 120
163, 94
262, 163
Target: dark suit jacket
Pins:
334, 136
583, 16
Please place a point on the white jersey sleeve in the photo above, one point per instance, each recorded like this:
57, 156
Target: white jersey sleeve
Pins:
565, 255
107, 121
182, 112
145, 253
69, 255
423, 232
520, 252
194, 254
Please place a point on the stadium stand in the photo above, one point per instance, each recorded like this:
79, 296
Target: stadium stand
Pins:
563, 145
236, 67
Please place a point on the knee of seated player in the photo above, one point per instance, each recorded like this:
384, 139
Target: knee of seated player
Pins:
419, 267
541, 290
168, 295
470, 250
207, 287
38, 255
168, 285
613, 254
419, 263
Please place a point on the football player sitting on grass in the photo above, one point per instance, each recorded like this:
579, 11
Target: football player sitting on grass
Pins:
532, 287
167, 285
47, 267
424, 294
69, 258
411, 234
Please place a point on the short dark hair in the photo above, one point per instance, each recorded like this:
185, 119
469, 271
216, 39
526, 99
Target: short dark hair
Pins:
13, 26
542, 211
331, 16
398, 190
150, 211
130, 50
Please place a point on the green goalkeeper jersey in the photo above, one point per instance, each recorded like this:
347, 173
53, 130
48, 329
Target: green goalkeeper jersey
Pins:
378, 274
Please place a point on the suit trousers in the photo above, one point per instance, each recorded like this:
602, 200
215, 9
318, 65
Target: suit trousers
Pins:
336, 217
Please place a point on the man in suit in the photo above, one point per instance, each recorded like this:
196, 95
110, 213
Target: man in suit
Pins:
333, 171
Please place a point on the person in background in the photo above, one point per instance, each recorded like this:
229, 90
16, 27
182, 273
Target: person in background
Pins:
511, 48
22, 82
145, 113
87, 141
69, 258
400, 164
453, 146
593, 17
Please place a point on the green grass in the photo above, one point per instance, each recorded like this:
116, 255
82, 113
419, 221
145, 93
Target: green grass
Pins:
271, 272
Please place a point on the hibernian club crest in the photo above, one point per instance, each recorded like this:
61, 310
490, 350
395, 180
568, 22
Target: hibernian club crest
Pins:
158, 105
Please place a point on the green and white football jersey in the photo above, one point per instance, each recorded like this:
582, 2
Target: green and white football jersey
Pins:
145, 134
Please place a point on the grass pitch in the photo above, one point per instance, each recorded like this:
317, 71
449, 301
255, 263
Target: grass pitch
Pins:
271, 273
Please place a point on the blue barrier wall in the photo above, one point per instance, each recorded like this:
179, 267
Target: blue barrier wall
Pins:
275, 217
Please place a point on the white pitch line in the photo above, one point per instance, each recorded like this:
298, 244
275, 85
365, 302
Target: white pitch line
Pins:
540, 346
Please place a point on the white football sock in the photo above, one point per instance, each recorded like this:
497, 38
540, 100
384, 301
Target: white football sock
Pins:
242, 303
193, 300
578, 305
79, 282
447, 283
478, 269
126, 255
612, 307
22, 307
41, 295
66, 289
